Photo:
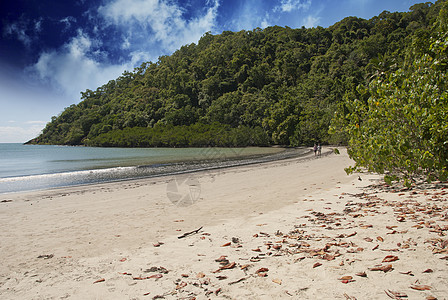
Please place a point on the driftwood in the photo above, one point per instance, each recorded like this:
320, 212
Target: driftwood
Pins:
189, 233
239, 280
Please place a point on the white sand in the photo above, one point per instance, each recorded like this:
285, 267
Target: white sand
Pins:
282, 216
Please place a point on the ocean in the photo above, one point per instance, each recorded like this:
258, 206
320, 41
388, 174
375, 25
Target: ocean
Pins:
37, 167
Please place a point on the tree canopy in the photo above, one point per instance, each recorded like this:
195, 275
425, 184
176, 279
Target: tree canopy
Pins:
280, 85
399, 125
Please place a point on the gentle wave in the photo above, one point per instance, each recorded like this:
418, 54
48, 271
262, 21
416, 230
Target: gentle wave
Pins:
67, 174
54, 180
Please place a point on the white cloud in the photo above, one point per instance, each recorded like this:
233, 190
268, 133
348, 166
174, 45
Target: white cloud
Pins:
67, 21
38, 25
19, 31
290, 5
74, 67
24, 30
253, 14
248, 16
359, 2
137, 57
311, 21
19, 134
154, 12
126, 44
36, 122
159, 21
265, 23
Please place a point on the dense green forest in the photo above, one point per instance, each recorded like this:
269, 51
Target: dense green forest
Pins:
261, 87
398, 126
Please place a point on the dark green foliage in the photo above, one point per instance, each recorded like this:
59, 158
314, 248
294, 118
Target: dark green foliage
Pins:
214, 135
285, 82
399, 124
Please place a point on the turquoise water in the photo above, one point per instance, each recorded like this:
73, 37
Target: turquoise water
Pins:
34, 167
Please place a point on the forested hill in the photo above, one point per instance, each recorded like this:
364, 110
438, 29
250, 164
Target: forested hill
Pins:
260, 87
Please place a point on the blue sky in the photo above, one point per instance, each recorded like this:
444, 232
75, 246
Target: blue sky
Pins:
51, 50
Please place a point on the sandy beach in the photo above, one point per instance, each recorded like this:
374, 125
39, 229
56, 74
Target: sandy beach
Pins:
292, 229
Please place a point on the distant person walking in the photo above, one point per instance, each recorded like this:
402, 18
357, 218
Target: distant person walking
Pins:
319, 149
315, 149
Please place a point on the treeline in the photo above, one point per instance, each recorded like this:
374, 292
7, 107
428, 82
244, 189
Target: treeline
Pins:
196, 135
287, 82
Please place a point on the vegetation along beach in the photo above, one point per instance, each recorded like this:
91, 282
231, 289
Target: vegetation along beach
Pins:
361, 215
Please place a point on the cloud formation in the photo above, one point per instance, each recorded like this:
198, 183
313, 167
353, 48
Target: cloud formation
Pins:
311, 21
9, 134
76, 66
291, 5
255, 13
67, 22
19, 30
158, 22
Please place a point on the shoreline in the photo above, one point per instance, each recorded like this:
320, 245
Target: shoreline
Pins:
262, 161
283, 229
40, 182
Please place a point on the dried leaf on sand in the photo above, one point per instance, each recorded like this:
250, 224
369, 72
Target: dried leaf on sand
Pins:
395, 295
226, 267
99, 280
390, 258
385, 268
347, 277
361, 274
421, 287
